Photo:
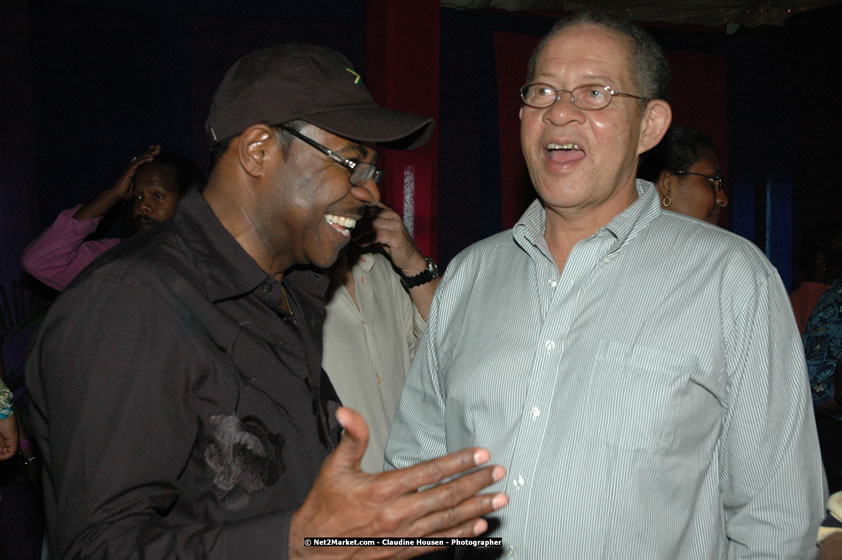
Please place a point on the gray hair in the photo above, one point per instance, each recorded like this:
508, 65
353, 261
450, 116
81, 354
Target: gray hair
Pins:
649, 67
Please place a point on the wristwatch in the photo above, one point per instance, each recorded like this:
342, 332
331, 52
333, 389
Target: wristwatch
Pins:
427, 275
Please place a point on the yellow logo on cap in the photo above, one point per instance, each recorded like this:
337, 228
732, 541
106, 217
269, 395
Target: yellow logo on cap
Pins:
357, 77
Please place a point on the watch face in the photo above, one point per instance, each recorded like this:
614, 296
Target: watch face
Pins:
431, 272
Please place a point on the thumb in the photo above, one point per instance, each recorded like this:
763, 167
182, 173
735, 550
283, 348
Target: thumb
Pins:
349, 452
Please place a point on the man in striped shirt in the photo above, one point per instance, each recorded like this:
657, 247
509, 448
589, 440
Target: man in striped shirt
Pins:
638, 372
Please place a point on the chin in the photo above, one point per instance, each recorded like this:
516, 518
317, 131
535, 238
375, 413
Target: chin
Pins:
143, 226
326, 260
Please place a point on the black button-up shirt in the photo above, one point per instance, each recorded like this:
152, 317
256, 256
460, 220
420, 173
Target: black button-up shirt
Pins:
179, 410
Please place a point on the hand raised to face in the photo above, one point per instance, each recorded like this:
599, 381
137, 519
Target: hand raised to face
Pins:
122, 186
385, 229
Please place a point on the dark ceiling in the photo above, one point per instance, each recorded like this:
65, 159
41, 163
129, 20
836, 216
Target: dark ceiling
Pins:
715, 13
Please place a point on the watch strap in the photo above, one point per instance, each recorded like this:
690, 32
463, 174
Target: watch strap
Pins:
430, 273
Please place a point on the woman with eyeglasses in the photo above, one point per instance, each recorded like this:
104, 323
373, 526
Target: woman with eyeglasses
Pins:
685, 169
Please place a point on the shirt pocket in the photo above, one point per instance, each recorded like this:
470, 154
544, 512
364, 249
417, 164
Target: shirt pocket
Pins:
634, 395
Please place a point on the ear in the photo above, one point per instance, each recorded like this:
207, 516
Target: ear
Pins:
654, 124
664, 183
256, 148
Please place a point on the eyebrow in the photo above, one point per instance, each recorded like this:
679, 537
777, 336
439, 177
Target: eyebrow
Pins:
357, 149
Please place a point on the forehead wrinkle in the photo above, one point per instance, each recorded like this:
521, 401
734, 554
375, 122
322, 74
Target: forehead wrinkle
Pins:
155, 181
583, 77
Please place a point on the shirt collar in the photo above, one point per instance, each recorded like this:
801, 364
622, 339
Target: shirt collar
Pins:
634, 219
226, 269
366, 261
623, 227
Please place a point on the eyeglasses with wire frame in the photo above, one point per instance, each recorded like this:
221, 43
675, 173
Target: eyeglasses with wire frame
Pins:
361, 172
589, 97
715, 180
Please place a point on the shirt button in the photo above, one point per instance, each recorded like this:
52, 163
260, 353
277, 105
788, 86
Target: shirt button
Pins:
553, 282
511, 552
519, 482
379, 379
550, 345
604, 260
535, 412
267, 287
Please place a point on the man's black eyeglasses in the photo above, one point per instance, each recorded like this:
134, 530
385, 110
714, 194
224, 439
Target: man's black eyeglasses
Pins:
361, 172
717, 181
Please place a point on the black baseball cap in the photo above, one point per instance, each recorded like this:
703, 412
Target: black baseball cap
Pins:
312, 83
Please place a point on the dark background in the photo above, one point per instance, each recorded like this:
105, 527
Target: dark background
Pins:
88, 84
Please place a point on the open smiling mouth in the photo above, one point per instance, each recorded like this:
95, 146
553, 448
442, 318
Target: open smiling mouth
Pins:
552, 146
564, 153
342, 224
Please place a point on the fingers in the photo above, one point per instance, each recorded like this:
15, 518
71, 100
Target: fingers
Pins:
451, 504
387, 231
150, 152
145, 157
392, 235
351, 448
464, 520
122, 186
345, 501
435, 470
389, 223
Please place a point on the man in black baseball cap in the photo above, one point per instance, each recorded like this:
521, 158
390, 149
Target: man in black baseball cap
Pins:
188, 416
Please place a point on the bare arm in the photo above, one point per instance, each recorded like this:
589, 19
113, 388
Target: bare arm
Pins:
831, 548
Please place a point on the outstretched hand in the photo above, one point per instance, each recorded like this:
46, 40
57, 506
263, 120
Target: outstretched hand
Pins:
347, 502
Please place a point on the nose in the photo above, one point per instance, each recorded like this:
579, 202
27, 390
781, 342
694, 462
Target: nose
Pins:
721, 199
142, 206
368, 193
563, 110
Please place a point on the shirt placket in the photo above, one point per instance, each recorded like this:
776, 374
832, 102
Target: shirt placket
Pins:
558, 294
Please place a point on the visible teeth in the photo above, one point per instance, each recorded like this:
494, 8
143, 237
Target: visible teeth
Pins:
342, 221
568, 146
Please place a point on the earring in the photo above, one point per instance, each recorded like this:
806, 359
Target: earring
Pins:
667, 201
